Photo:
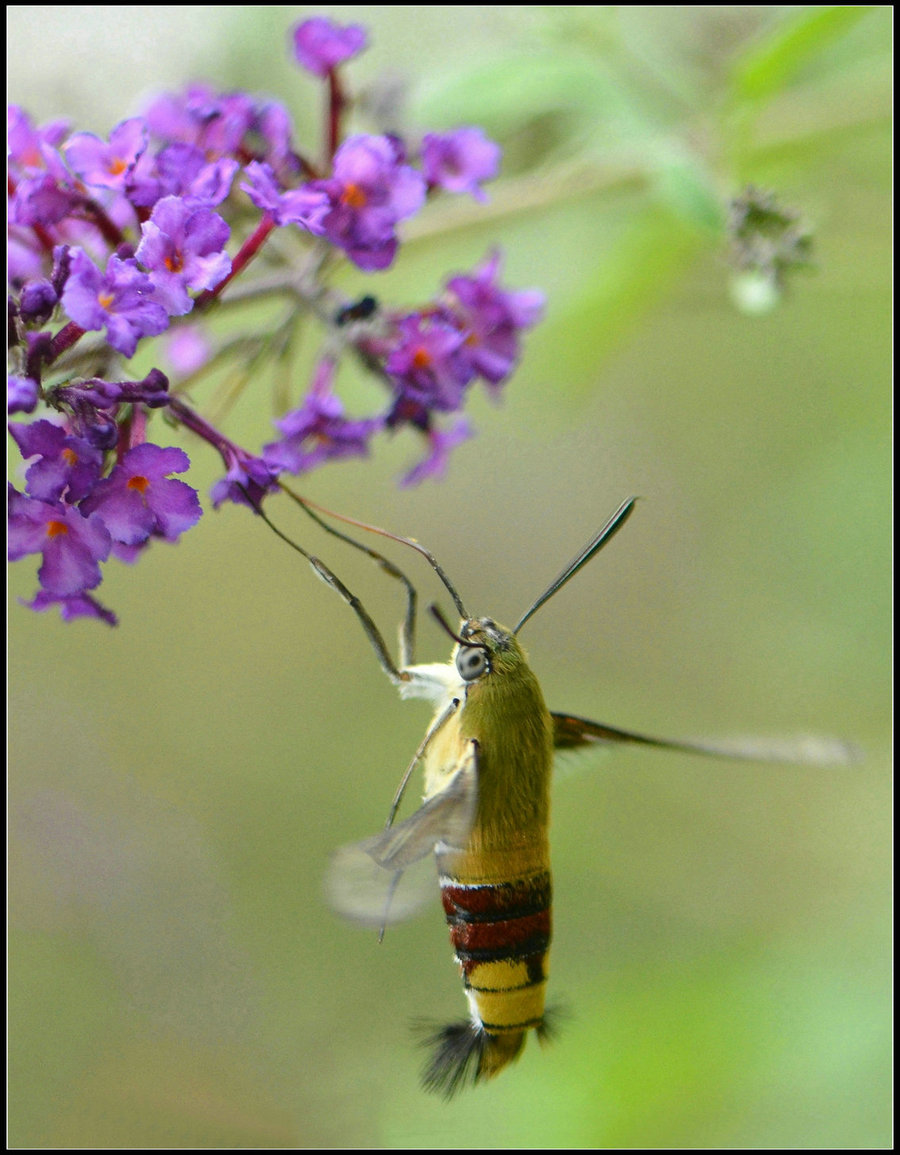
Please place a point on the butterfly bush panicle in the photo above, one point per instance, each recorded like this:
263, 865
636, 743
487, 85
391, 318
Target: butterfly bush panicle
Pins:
132, 245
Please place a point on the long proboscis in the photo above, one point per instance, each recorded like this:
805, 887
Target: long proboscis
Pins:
593, 547
311, 506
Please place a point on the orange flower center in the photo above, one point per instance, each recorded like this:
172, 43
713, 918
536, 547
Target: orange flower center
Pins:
141, 484
354, 197
55, 528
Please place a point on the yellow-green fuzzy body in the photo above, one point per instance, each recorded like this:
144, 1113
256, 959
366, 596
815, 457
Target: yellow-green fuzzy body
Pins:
505, 713
496, 888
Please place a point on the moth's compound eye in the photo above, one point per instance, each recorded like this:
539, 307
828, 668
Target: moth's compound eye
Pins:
472, 662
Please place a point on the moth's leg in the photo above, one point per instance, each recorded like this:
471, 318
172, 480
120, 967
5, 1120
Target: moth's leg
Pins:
433, 729
397, 675
407, 628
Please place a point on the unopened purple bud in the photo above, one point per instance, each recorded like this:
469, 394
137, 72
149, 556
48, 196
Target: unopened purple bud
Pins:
102, 431
60, 271
153, 391
21, 394
37, 301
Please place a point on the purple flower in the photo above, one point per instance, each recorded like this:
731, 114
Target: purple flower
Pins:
183, 248
318, 431
188, 348
72, 545
273, 126
119, 300
65, 465
139, 498
305, 206
107, 165
494, 317
72, 606
216, 123
247, 481
320, 44
42, 200
430, 362
182, 170
21, 394
440, 444
371, 191
40, 181
29, 146
459, 160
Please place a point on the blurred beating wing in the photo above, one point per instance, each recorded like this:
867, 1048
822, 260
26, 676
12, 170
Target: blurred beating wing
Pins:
370, 881
570, 732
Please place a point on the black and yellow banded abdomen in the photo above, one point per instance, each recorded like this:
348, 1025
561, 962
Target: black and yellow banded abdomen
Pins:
501, 935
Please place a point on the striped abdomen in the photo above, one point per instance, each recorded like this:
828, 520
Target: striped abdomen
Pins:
501, 934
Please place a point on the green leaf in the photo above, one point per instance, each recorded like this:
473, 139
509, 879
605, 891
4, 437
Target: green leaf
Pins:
772, 62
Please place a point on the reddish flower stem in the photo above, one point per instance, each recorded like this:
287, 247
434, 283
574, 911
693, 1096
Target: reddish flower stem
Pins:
337, 102
248, 251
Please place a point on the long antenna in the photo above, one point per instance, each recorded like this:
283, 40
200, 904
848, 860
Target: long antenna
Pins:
597, 542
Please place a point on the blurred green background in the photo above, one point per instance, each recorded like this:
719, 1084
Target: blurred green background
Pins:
722, 934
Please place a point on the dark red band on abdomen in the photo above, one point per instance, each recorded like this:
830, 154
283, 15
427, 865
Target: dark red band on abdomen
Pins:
493, 922
494, 901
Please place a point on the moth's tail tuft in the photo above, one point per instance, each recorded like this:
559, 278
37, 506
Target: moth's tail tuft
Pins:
465, 1054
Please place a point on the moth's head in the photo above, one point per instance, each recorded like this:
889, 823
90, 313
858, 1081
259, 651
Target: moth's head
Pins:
484, 647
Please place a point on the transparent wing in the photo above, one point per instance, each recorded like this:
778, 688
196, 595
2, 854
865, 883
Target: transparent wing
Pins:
571, 732
371, 881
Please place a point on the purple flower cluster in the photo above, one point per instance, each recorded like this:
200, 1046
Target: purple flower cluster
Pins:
144, 234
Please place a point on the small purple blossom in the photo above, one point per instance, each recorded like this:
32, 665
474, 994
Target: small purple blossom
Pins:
29, 146
320, 44
183, 170
440, 443
73, 606
304, 206
370, 192
183, 248
215, 122
119, 300
72, 545
21, 394
248, 480
107, 165
42, 200
495, 317
64, 466
430, 362
318, 431
40, 182
188, 348
139, 498
458, 161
